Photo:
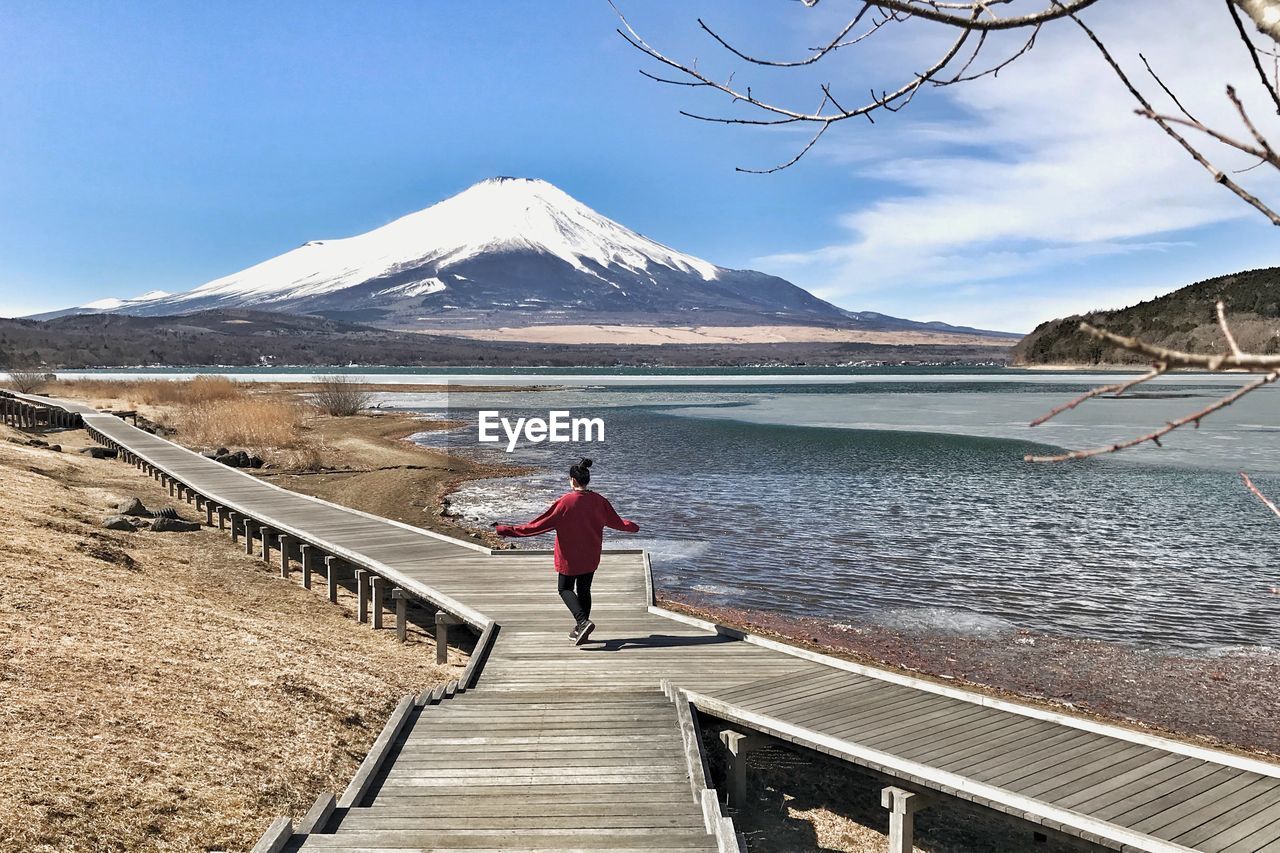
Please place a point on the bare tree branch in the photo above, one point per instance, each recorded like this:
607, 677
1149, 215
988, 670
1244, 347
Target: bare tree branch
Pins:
935, 12
968, 17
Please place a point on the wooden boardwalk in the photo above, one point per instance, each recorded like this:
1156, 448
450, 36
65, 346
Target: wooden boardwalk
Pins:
549, 747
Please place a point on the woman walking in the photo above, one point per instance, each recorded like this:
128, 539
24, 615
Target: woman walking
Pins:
578, 517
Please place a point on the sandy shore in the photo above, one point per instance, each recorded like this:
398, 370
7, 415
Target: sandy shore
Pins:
165, 691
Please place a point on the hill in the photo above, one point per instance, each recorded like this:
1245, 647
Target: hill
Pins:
1184, 319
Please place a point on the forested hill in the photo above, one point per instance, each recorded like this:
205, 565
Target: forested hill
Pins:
1184, 319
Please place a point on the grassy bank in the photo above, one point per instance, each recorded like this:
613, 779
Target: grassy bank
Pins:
166, 691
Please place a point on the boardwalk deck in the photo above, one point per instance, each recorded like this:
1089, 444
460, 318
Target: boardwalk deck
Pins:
569, 748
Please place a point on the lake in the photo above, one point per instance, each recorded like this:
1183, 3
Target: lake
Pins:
903, 499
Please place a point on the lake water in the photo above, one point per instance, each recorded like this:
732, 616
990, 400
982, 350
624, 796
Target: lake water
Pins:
903, 500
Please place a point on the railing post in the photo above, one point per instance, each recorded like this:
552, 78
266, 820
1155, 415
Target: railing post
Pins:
308, 554
378, 587
902, 806
402, 614
222, 519
248, 536
443, 621
331, 578
208, 513
362, 596
739, 745
265, 533
284, 555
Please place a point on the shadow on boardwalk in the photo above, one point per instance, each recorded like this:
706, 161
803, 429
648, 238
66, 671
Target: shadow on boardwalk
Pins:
655, 641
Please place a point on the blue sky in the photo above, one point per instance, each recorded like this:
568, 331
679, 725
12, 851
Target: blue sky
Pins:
163, 145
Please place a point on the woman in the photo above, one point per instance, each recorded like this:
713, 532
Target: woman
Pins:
578, 518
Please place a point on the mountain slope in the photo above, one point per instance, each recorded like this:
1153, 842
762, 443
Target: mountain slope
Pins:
506, 251
1184, 319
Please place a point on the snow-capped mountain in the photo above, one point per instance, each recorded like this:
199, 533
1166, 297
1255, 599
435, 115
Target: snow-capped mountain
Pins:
506, 251
107, 305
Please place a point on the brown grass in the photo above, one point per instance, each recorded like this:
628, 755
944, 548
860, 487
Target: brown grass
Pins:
260, 424
152, 392
166, 692
209, 412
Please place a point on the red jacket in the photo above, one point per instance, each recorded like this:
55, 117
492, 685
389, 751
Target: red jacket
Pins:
579, 520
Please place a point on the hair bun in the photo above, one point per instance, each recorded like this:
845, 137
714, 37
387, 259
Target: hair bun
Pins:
585, 462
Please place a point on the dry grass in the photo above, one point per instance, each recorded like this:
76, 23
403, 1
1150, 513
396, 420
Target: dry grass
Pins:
208, 412
261, 424
165, 692
152, 392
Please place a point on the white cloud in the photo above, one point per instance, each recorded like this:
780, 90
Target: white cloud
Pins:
1047, 167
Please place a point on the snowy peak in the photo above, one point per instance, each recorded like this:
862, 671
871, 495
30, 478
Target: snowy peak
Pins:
507, 250
495, 215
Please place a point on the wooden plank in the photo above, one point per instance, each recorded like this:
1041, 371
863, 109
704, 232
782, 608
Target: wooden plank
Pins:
275, 837
319, 814
1262, 839
1259, 804
365, 774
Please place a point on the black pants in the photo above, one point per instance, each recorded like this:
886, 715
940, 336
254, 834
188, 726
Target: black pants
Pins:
579, 603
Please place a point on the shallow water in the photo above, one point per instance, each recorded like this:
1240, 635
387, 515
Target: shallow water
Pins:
907, 503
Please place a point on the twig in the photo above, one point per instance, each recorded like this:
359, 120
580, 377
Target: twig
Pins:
1118, 389
1155, 436
1265, 500
1226, 330
1252, 362
1166, 358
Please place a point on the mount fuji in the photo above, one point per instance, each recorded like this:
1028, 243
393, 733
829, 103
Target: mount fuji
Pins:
506, 251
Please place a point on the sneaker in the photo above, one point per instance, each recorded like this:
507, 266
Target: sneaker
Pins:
584, 633
573, 635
